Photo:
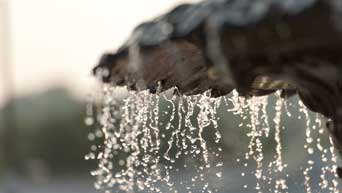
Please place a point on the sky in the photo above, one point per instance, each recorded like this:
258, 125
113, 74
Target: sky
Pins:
57, 42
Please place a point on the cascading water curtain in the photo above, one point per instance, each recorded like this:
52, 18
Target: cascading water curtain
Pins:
167, 142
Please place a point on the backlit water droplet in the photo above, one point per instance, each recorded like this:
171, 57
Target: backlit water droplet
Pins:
133, 137
130, 128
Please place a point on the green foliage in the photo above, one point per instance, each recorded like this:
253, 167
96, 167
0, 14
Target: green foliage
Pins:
50, 129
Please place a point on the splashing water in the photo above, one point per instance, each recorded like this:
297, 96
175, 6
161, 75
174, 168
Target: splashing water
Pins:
139, 138
307, 146
280, 183
259, 130
132, 135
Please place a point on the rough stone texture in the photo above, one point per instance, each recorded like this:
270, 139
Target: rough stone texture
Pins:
254, 46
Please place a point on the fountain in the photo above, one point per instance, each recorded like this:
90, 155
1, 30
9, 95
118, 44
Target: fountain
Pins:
202, 52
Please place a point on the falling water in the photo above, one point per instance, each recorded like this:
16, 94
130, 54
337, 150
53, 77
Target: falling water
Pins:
137, 150
132, 135
256, 105
259, 130
308, 146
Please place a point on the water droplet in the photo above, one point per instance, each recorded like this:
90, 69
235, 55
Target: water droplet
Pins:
89, 121
219, 174
310, 150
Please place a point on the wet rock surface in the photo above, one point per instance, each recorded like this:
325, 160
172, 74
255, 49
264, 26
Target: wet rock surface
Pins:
256, 47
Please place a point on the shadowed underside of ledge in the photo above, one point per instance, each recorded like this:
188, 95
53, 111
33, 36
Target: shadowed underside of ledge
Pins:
256, 47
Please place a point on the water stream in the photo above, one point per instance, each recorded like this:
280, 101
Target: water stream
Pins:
142, 140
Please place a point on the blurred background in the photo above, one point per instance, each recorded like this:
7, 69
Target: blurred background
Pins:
47, 50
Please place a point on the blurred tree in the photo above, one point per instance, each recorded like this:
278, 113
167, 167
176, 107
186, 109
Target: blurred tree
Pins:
51, 131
